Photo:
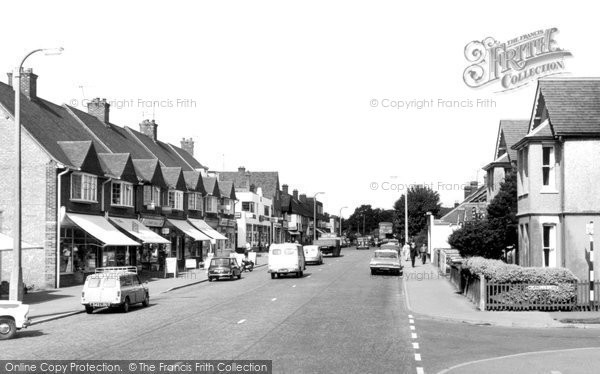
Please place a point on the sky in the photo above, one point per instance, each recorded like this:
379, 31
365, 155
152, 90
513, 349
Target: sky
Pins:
303, 88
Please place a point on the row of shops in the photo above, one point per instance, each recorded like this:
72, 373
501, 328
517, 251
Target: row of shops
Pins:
88, 242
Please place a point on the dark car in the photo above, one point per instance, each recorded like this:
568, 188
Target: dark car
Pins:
224, 267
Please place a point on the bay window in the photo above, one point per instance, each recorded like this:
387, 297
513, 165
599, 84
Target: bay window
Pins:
548, 162
84, 187
176, 199
151, 195
210, 203
195, 201
122, 194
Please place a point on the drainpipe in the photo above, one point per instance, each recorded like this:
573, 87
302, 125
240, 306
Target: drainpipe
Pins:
104, 184
59, 206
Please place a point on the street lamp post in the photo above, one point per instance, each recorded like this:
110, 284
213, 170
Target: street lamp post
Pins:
16, 276
344, 207
315, 214
406, 218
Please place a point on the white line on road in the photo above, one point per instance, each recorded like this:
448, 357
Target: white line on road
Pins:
411, 321
308, 276
413, 335
412, 327
415, 345
410, 316
417, 357
420, 370
273, 299
293, 286
241, 321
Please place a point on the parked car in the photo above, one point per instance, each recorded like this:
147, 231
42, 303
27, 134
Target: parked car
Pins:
113, 287
362, 243
313, 255
224, 267
14, 315
286, 258
392, 246
386, 261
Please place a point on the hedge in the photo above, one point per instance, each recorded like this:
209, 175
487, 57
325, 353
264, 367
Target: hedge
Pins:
496, 271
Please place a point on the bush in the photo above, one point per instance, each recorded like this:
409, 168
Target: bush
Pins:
496, 271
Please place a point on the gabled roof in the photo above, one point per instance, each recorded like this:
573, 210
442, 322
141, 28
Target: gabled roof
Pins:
227, 190
463, 210
211, 185
118, 165
167, 156
81, 155
509, 133
47, 123
194, 182
174, 178
268, 181
149, 171
188, 158
115, 138
573, 104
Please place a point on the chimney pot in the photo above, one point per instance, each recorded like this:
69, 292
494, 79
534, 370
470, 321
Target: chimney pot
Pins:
284, 188
188, 145
99, 109
295, 194
149, 128
241, 169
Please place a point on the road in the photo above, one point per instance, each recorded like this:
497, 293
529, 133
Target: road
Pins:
336, 319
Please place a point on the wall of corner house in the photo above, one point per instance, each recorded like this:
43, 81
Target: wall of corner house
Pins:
38, 207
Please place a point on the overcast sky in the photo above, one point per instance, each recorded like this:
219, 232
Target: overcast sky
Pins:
287, 86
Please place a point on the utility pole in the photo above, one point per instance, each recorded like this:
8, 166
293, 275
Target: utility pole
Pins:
590, 231
406, 218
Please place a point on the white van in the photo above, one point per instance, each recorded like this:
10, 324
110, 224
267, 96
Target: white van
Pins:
286, 258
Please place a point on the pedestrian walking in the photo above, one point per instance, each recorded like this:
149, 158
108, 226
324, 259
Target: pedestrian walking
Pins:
423, 252
414, 252
406, 252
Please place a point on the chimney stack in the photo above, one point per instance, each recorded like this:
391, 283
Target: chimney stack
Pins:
29, 84
188, 145
148, 128
241, 169
456, 203
303, 198
284, 188
295, 194
99, 108
472, 187
10, 78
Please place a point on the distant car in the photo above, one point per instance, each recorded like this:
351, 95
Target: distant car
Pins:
117, 286
362, 243
313, 255
14, 315
286, 258
385, 261
224, 267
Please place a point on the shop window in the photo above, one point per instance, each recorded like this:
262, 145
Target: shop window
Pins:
84, 187
176, 199
122, 194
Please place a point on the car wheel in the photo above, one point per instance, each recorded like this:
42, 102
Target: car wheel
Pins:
89, 309
146, 301
210, 279
126, 305
8, 329
372, 272
240, 276
272, 275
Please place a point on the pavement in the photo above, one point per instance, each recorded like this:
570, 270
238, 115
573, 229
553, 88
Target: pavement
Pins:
49, 305
429, 293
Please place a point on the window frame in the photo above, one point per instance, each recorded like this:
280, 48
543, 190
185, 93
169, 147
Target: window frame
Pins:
87, 180
548, 169
195, 201
125, 199
177, 203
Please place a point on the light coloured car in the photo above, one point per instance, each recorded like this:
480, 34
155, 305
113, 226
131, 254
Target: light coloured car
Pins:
113, 287
14, 315
286, 258
363, 243
313, 255
386, 261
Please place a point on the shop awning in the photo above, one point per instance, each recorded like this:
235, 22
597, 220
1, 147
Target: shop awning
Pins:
322, 231
101, 229
6, 243
138, 230
189, 230
205, 228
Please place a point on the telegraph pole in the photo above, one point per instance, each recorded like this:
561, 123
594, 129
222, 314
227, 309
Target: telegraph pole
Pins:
590, 232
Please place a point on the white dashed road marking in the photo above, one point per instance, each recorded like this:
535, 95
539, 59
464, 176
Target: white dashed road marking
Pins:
415, 345
412, 327
420, 370
273, 299
241, 321
413, 335
417, 357
293, 286
411, 321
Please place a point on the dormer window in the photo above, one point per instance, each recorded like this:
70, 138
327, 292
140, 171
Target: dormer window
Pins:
84, 187
122, 194
195, 201
152, 195
176, 199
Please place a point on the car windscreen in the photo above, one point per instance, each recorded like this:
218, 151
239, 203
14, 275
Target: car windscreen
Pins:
386, 255
220, 262
285, 251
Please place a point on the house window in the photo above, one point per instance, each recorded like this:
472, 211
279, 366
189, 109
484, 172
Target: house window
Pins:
248, 206
151, 195
176, 199
267, 211
195, 201
548, 240
490, 179
226, 208
84, 187
548, 167
122, 194
210, 204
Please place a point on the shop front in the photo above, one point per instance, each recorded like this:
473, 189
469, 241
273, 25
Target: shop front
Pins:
227, 227
186, 242
217, 240
88, 242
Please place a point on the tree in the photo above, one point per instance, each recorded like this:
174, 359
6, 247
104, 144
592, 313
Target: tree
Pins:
365, 220
421, 199
490, 237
